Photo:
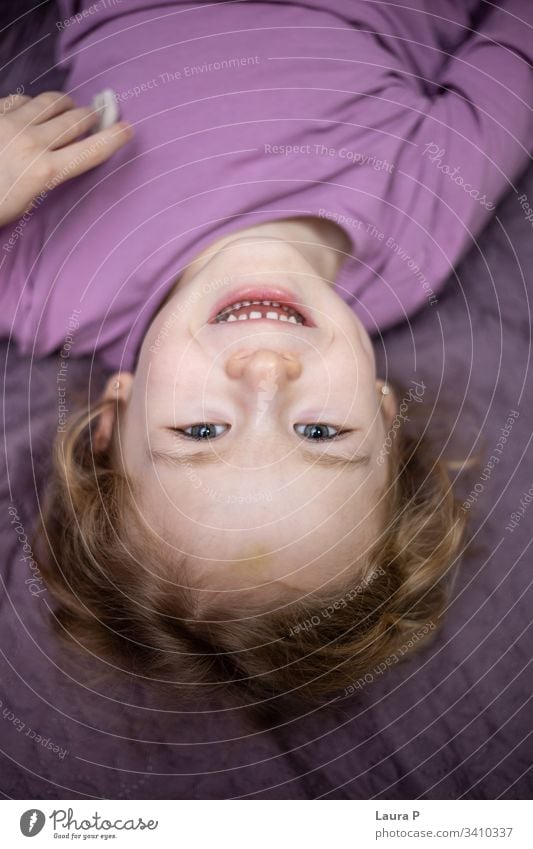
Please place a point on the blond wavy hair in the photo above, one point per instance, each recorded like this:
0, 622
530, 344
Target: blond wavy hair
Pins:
113, 598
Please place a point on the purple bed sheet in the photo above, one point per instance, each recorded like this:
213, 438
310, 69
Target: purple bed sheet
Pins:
452, 721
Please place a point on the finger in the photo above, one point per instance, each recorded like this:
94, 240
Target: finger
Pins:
12, 102
45, 106
63, 129
86, 154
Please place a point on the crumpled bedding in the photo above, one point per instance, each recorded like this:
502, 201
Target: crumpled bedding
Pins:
452, 721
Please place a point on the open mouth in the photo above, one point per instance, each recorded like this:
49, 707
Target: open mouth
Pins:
258, 310
261, 303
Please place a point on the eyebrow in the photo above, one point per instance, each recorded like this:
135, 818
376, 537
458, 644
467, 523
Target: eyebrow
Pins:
206, 458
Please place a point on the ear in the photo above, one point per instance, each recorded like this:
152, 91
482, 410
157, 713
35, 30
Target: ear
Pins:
388, 403
118, 388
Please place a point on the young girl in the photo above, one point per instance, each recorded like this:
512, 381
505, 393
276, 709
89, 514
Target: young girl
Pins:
241, 508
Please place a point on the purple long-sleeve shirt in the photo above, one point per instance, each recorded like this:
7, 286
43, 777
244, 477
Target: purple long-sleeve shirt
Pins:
400, 122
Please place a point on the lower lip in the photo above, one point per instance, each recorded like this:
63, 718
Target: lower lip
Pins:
261, 294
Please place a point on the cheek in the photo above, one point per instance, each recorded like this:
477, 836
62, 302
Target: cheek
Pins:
364, 345
354, 372
360, 341
131, 444
164, 368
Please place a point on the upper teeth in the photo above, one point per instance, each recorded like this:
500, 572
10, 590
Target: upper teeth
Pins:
280, 313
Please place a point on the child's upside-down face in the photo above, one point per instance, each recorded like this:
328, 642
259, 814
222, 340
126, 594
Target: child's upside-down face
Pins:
221, 419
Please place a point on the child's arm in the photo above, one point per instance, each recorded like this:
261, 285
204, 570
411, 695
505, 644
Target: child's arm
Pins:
39, 147
483, 120
462, 149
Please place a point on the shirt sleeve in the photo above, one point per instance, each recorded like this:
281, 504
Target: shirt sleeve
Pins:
458, 152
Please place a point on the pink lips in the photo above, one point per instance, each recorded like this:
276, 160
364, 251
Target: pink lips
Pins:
261, 293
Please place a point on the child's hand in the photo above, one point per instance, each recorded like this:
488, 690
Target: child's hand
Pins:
38, 147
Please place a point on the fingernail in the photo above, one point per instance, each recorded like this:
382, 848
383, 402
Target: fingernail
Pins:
106, 104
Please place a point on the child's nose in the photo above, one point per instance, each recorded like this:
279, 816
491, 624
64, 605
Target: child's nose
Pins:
260, 367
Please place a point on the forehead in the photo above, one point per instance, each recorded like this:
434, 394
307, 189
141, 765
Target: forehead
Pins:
229, 498
278, 552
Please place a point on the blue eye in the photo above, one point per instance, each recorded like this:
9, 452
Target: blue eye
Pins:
318, 432
202, 431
